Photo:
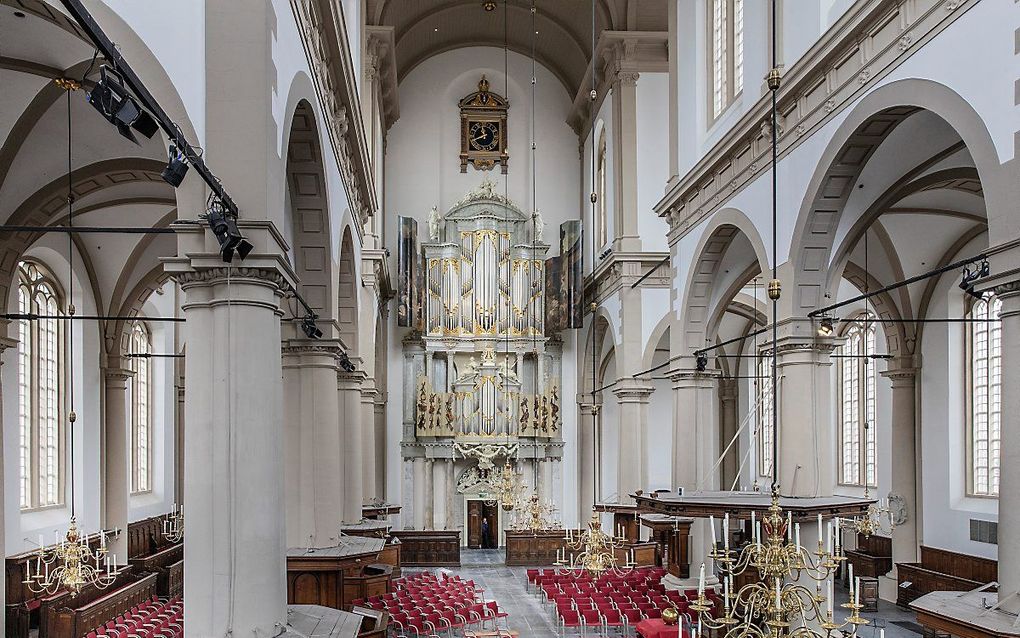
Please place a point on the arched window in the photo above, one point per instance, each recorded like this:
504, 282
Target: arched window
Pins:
763, 401
726, 35
985, 379
141, 411
40, 389
601, 225
856, 386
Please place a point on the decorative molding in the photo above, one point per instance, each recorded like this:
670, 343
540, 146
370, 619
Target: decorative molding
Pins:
220, 274
859, 51
324, 35
622, 270
381, 67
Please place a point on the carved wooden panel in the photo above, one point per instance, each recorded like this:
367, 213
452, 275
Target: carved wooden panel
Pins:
942, 570
533, 548
429, 548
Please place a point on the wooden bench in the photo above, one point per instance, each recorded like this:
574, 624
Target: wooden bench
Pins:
433, 548
942, 570
160, 564
873, 556
145, 537
77, 617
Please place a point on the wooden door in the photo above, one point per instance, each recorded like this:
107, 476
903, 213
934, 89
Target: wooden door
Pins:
475, 513
490, 513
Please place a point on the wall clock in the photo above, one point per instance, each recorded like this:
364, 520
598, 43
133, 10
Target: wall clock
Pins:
483, 129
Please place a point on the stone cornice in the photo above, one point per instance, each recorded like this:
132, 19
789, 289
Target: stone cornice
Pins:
324, 35
381, 65
867, 43
622, 270
621, 55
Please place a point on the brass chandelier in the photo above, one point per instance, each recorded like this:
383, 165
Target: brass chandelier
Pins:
536, 514
593, 551
173, 525
72, 564
777, 604
878, 519
509, 487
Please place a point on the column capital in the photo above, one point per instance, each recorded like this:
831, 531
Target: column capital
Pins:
902, 369
349, 380
630, 390
117, 373
693, 378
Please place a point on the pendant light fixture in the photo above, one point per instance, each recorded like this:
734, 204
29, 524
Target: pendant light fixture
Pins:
74, 563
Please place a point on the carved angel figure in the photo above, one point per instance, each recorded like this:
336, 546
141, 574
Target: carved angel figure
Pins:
539, 226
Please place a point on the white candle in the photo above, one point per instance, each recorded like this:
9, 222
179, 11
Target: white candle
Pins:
726, 595
701, 581
796, 530
789, 526
726, 532
837, 533
857, 590
828, 538
753, 520
779, 603
829, 584
40, 541
711, 523
757, 534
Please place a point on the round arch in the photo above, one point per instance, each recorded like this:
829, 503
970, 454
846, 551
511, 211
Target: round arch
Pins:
347, 295
703, 280
862, 132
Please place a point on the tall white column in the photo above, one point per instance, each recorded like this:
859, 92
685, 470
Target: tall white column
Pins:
116, 465
430, 491
632, 398
313, 480
5, 344
1009, 459
352, 432
903, 375
235, 554
803, 397
419, 492
440, 495
369, 443
625, 156
695, 445
727, 430
586, 457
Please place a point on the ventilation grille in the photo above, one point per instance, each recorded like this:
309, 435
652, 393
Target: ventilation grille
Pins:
984, 531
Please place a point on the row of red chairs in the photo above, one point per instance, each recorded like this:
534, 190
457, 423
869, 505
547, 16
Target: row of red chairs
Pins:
424, 604
154, 618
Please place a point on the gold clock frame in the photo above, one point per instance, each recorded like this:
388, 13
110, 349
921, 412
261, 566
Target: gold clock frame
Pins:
483, 106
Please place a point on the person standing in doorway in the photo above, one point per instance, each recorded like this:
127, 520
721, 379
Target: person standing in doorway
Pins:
485, 533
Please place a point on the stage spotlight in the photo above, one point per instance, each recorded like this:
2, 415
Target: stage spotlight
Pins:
310, 329
345, 363
176, 167
701, 361
825, 327
111, 98
968, 279
224, 226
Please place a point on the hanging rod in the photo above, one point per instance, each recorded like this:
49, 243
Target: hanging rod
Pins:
29, 316
650, 271
900, 284
123, 230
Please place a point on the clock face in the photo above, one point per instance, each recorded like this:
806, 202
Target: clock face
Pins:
483, 136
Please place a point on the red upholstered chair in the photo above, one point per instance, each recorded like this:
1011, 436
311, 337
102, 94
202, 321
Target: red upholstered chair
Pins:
612, 618
632, 616
568, 619
494, 613
591, 618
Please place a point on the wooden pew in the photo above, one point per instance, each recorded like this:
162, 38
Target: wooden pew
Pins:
872, 557
942, 570
160, 564
145, 537
433, 548
78, 616
22, 603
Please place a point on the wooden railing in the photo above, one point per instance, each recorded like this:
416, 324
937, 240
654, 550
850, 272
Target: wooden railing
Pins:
160, 564
429, 548
75, 617
942, 570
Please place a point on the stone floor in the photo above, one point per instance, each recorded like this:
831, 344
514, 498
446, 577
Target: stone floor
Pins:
532, 618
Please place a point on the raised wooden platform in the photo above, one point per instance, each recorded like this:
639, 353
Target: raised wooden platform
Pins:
942, 570
367, 527
964, 615
305, 621
672, 534
741, 504
335, 576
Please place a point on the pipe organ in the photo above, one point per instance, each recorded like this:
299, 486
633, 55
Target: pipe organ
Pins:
481, 376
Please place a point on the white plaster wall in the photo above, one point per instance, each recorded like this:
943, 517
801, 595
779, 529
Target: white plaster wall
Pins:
652, 157
423, 146
603, 126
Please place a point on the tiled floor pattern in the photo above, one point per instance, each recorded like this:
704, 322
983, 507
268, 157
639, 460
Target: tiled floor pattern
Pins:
532, 618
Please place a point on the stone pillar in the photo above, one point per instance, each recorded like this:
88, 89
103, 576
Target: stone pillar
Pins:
903, 493
369, 443
5, 344
625, 160
586, 456
806, 465
116, 454
727, 430
632, 397
235, 568
1009, 459
430, 491
545, 477
419, 492
314, 471
695, 445
349, 389
440, 495
379, 423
